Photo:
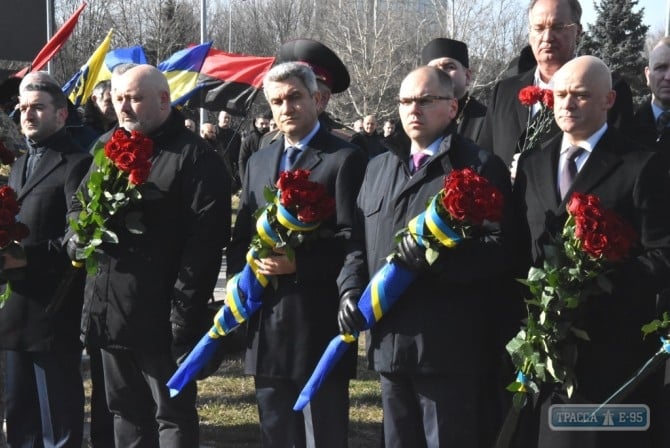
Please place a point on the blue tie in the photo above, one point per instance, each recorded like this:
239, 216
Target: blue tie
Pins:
292, 154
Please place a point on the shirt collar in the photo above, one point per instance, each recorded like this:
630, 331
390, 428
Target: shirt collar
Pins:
587, 144
434, 147
656, 110
541, 84
305, 140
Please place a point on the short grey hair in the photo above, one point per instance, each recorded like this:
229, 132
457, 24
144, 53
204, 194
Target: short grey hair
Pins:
287, 70
575, 9
100, 87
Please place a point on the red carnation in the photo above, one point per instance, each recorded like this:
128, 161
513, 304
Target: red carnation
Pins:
530, 95
548, 98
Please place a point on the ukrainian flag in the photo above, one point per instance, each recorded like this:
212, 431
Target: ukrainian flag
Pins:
112, 59
182, 70
88, 74
120, 56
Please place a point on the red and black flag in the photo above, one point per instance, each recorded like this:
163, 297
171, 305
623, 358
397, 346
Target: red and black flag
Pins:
230, 81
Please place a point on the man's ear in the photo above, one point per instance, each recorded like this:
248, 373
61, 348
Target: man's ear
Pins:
468, 78
646, 75
165, 99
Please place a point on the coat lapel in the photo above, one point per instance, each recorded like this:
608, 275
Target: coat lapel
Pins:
49, 161
543, 167
602, 161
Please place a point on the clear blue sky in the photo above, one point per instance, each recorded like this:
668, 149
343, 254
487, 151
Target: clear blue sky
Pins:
655, 12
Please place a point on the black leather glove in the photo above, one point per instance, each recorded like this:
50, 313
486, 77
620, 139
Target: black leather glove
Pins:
349, 317
410, 254
184, 339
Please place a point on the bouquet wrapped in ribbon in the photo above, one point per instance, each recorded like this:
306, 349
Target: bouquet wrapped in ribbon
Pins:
539, 124
123, 165
294, 210
465, 202
544, 350
11, 231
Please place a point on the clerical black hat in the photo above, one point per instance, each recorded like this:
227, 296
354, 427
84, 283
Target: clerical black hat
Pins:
9, 89
327, 67
445, 48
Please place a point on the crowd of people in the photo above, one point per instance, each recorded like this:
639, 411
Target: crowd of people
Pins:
439, 351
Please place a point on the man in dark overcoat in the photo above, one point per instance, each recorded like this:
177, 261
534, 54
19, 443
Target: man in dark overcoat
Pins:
298, 318
40, 331
434, 348
634, 184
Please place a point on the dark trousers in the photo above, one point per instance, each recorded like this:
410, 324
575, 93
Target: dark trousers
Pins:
102, 421
323, 423
44, 399
435, 411
144, 414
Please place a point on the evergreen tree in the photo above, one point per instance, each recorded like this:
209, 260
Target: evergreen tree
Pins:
618, 38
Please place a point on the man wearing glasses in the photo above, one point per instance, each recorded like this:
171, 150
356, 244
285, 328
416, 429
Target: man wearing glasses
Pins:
553, 31
433, 349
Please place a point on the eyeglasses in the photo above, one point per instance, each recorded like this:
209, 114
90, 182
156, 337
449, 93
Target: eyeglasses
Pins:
423, 102
539, 30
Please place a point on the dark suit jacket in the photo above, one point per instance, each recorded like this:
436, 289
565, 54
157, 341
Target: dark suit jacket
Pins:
644, 130
470, 118
287, 336
634, 184
44, 199
507, 119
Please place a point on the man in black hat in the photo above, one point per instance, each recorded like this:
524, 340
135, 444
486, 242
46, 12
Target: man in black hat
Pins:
451, 56
332, 76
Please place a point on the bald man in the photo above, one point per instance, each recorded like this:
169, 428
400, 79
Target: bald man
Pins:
631, 182
146, 306
652, 119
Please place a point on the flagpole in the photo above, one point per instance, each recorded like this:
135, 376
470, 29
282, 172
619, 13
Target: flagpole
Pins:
203, 39
50, 24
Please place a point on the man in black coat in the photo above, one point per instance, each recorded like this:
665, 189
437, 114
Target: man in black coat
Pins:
634, 184
45, 395
451, 56
146, 306
251, 143
652, 120
435, 347
287, 336
554, 28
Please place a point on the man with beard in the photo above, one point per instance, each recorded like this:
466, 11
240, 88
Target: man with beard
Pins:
40, 334
146, 306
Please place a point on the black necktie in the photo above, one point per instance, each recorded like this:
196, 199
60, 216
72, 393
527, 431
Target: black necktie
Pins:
662, 121
569, 171
292, 154
34, 156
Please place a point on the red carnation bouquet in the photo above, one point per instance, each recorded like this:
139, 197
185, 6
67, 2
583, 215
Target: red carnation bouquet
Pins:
538, 125
458, 211
11, 231
120, 167
544, 350
294, 209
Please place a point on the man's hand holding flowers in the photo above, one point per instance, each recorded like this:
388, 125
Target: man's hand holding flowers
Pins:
538, 125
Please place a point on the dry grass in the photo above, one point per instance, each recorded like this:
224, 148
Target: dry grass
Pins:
229, 417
